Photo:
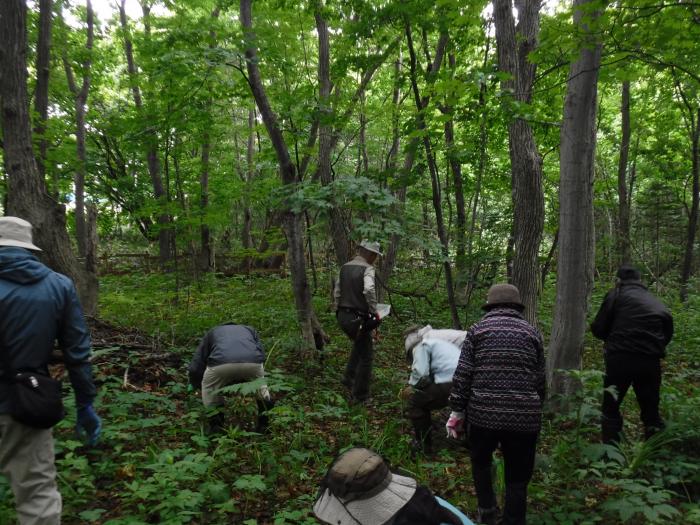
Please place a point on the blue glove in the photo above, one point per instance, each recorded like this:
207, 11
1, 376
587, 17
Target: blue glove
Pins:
89, 424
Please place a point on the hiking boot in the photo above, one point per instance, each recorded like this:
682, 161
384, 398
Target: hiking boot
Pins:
263, 425
215, 424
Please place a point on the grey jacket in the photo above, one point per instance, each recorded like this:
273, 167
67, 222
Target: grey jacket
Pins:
227, 343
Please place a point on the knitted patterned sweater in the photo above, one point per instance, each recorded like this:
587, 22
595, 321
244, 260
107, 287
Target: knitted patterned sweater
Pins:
500, 378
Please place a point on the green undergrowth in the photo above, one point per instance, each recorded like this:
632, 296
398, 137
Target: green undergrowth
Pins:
156, 464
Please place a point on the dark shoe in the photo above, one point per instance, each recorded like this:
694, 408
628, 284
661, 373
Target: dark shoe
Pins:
420, 448
263, 424
358, 402
611, 430
651, 430
487, 516
215, 423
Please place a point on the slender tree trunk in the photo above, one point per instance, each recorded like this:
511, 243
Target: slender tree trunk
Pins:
623, 233
481, 169
461, 223
81, 96
388, 262
246, 235
41, 93
292, 221
694, 120
27, 195
91, 252
206, 255
338, 229
514, 45
421, 105
576, 236
159, 190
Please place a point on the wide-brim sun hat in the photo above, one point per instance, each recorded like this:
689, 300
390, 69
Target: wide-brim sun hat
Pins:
360, 489
503, 294
17, 233
371, 246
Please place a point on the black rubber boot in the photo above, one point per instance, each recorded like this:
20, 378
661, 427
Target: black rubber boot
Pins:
422, 442
215, 423
611, 430
487, 516
653, 429
485, 494
263, 418
515, 507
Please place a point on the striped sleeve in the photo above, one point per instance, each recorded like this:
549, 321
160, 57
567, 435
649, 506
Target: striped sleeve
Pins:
462, 379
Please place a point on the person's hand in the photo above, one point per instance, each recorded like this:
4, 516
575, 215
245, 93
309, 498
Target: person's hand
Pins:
89, 425
455, 425
406, 393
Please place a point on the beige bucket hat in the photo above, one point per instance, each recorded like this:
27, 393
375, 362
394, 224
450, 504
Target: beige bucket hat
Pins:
371, 246
16, 232
360, 489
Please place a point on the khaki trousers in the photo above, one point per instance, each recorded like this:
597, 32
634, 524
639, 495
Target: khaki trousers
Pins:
27, 460
217, 377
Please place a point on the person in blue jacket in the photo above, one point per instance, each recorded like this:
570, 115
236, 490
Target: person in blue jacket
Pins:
433, 363
37, 308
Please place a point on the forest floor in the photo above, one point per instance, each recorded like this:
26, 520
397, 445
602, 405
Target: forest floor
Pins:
156, 464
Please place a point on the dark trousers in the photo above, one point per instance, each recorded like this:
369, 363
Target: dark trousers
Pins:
518, 450
422, 401
358, 372
643, 373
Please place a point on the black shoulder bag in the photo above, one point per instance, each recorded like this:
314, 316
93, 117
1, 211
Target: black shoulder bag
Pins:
35, 398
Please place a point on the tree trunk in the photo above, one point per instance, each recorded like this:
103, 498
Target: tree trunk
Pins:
27, 195
164, 232
623, 233
338, 230
461, 223
514, 45
386, 266
421, 105
81, 96
41, 93
694, 129
292, 221
576, 236
91, 252
206, 255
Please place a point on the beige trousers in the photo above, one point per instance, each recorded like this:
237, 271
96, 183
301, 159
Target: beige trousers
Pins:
27, 460
217, 377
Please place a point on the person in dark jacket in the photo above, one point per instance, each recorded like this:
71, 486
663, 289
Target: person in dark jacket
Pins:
229, 354
37, 308
356, 301
636, 328
359, 489
499, 388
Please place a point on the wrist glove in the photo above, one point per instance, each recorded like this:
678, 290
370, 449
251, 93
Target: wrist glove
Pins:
455, 425
89, 425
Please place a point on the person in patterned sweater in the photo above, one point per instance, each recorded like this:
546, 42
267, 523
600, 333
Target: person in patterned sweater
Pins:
498, 388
